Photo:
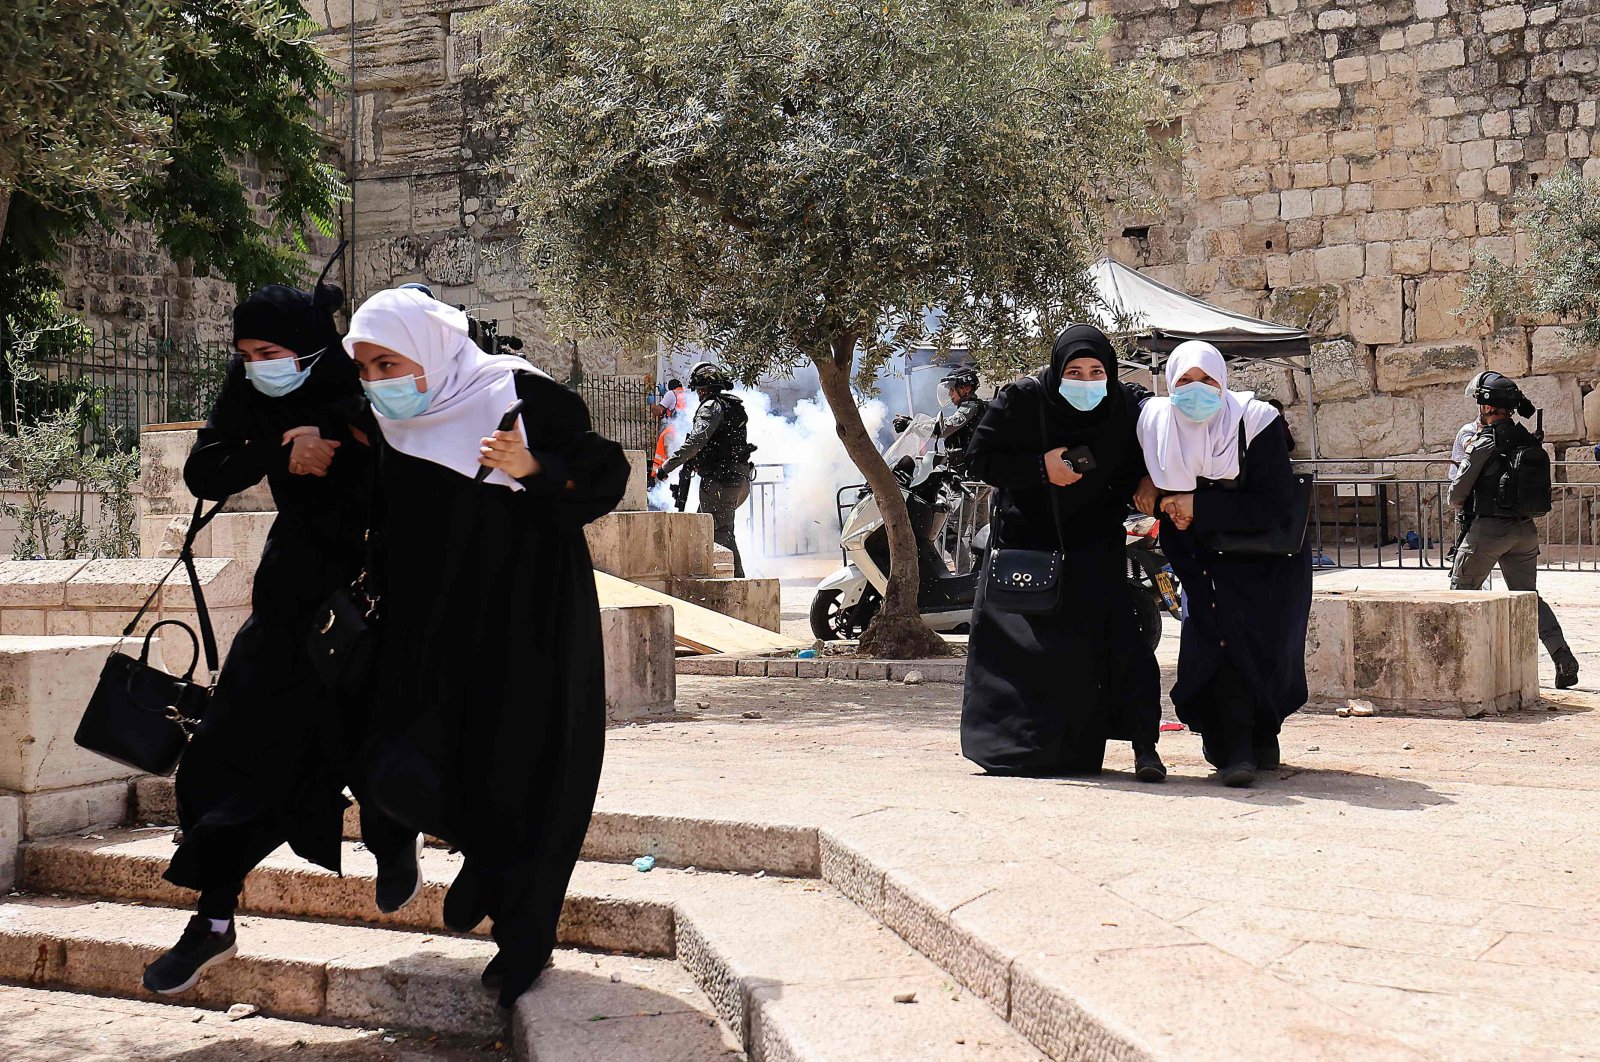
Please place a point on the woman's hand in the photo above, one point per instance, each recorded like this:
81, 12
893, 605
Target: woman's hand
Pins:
506, 451
1148, 497
1059, 469
1180, 507
309, 453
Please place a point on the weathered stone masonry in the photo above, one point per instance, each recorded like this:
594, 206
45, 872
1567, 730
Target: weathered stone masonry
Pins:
1347, 162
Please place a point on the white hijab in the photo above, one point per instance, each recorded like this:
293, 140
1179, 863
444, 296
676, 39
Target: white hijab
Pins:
471, 390
1178, 451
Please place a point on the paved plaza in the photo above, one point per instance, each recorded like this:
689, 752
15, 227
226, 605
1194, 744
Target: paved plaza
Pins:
1403, 888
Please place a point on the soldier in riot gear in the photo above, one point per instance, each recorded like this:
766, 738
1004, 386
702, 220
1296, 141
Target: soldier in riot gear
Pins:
1502, 483
959, 420
719, 450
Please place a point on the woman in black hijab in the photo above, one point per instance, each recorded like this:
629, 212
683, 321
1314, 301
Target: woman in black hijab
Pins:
268, 763
1044, 693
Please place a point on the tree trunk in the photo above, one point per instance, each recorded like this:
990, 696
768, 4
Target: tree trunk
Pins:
897, 631
5, 208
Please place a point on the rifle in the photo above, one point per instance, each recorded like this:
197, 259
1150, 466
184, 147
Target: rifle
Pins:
680, 489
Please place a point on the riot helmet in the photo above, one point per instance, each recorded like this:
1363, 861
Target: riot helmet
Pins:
1500, 392
709, 376
963, 379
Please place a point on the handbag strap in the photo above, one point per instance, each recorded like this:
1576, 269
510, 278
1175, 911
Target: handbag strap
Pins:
197, 523
1050, 489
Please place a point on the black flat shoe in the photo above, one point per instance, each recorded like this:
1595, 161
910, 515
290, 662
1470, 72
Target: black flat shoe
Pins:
1566, 670
399, 878
1268, 757
1147, 765
463, 904
1240, 774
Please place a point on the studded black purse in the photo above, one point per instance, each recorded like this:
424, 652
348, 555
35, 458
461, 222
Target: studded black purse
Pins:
1026, 581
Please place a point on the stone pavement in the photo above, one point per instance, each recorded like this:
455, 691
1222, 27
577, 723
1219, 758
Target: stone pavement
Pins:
1404, 888
48, 1026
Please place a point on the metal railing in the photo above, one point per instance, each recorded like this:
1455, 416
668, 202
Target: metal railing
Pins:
1396, 514
619, 409
128, 382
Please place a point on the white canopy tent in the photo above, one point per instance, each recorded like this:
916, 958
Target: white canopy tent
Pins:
1155, 318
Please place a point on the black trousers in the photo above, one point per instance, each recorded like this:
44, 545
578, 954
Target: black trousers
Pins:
250, 844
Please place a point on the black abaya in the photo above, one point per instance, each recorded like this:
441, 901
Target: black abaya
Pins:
268, 763
489, 723
1241, 661
1044, 693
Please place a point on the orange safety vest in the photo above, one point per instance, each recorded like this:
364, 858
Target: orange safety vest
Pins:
667, 441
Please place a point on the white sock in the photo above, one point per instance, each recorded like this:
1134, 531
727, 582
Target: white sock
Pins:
220, 925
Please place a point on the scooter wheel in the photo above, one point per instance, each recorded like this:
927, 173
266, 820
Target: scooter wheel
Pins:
831, 623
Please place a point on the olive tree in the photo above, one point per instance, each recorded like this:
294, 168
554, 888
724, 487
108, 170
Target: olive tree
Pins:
75, 104
786, 182
1559, 277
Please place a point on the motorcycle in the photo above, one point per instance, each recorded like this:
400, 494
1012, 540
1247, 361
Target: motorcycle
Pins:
1147, 565
847, 600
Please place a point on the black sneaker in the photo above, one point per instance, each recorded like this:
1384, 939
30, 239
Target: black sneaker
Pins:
1147, 765
399, 878
196, 951
1566, 670
463, 904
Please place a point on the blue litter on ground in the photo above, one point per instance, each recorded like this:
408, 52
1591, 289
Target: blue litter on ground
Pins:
807, 654
644, 864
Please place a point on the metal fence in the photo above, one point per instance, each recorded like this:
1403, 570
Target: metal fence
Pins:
128, 382
619, 409
1397, 514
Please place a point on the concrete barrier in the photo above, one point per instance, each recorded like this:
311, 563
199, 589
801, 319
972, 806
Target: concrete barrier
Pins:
55, 786
1448, 653
650, 548
640, 678
754, 601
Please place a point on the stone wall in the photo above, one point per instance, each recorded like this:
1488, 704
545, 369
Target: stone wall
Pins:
1345, 163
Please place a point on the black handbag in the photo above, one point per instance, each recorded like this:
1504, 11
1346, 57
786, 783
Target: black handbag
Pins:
343, 640
1026, 581
139, 715
1283, 538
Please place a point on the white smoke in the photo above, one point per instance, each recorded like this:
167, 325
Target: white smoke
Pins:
801, 465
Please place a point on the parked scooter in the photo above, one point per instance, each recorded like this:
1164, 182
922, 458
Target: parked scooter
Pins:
846, 601
1147, 565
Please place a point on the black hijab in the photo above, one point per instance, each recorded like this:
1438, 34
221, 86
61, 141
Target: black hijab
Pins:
302, 322
1063, 419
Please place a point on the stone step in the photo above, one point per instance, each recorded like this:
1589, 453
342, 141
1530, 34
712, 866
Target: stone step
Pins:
307, 971
794, 969
127, 866
48, 1025
677, 841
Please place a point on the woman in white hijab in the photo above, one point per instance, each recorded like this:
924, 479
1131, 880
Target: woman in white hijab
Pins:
489, 711
1241, 664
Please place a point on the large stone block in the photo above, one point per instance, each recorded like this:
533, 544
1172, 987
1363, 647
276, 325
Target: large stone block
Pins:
1444, 411
637, 498
36, 584
391, 54
1341, 369
651, 547
53, 812
1559, 350
1402, 368
1379, 426
1438, 307
1562, 402
640, 650
751, 600
1267, 381
10, 840
45, 683
1375, 309
1450, 653
162, 453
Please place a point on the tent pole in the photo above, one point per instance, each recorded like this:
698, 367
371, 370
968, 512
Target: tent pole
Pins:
1311, 407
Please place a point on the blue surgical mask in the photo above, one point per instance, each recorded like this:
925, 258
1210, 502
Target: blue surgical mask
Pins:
1083, 394
1198, 401
397, 399
279, 376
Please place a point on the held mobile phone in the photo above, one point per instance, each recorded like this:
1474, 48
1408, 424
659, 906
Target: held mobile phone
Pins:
1081, 460
507, 421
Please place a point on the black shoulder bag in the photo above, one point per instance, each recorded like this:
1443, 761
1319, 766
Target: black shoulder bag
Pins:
142, 716
343, 641
1282, 538
1027, 581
